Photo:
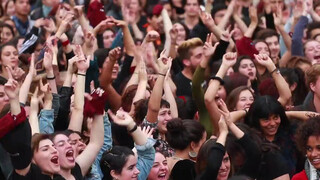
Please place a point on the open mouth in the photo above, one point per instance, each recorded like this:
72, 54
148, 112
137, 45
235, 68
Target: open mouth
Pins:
54, 160
69, 155
162, 175
250, 74
317, 57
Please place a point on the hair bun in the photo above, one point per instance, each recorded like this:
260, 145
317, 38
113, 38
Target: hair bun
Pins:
175, 126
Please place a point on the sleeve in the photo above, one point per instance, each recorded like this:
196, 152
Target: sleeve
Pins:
198, 96
214, 162
46, 118
107, 144
62, 121
297, 44
92, 75
270, 21
17, 141
124, 73
118, 40
146, 154
251, 166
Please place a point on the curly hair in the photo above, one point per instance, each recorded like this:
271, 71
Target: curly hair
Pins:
307, 129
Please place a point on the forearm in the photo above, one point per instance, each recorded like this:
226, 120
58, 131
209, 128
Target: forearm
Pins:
138, 137
282, 86
170, 98
128, 41
34, 121
315, 16
106, 75
242, 26
68, 80
77, 113
136, 31
237, 115
52, 82
25, 87
225, 20
155, 100
286, 38
301, 115
250, 30
236, 131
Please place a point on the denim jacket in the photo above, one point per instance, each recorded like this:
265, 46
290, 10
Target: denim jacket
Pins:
146, 155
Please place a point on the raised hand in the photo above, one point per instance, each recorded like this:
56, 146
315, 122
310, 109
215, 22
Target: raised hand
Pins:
265, 60
115, 54
277, 18
222, 108
45, 90
82, 62
152, 36
208, 49
147, 131
65, 24
32, 68
229, 59
120, 23
11, 88
48, 57
89, 39
34, 103
226, 35
223, 128
173, 34
105, 24
18, 74
121, 118
207, 19
162, 62
49, 25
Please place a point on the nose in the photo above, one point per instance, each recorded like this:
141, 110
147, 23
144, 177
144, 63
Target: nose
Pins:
272, 122
136, 171
53, 150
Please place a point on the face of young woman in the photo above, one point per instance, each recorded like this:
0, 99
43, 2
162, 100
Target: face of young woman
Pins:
164, 116
181, 36
66, 153
245, 100
313, 151
159, 170
108, 37
3, 97
9, 56
270, 125
247, 68
224, 168
129, 171
312, 51
47, 157
77, 144
11, 9
262, 48
274, 46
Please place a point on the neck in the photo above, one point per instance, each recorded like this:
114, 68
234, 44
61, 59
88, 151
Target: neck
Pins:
270, 138
191, 21
316, 102
183, 154
22, 17
187, 73
66, 173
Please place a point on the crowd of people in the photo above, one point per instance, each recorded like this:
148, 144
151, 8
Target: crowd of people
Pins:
160, 89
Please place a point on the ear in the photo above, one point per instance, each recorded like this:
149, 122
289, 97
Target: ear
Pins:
114, 174
293, 87
193, 145
312, 87
186, 62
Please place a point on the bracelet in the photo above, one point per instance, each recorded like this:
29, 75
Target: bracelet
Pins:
162, 74
218, 79
133, 129
65, 43
275, 70
50, 78
81, 74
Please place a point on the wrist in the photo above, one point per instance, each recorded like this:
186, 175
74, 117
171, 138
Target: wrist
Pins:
271, 68
131, 125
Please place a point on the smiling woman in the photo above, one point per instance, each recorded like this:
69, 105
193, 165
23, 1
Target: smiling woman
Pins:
308, 140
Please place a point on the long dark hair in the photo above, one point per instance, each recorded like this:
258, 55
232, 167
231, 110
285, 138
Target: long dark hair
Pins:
114, 159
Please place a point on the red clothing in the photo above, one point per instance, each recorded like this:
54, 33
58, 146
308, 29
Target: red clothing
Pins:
9, 122
245, 46
300, 176
96, 13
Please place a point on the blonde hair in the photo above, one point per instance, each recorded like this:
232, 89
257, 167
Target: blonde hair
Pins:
312, 74
184, 50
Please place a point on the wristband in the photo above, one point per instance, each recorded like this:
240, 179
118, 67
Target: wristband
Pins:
218, 79
133, 129
65, 43
81, 74
275, 70
51, 78
162, 74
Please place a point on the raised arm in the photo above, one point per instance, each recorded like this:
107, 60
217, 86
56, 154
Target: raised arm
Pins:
169, 96
49, 56
229, 59
33, 116
77, 114
301, 115
127, 38
254, 22
25, 87
155, 98
167, 26
282, 86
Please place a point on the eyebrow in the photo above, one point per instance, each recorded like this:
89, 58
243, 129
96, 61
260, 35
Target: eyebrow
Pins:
45, 146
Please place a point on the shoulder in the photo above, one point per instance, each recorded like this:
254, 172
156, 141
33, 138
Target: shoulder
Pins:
300, 176
183, 169
76, 172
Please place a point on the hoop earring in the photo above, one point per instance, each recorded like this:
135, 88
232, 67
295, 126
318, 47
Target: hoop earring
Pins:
193, 154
